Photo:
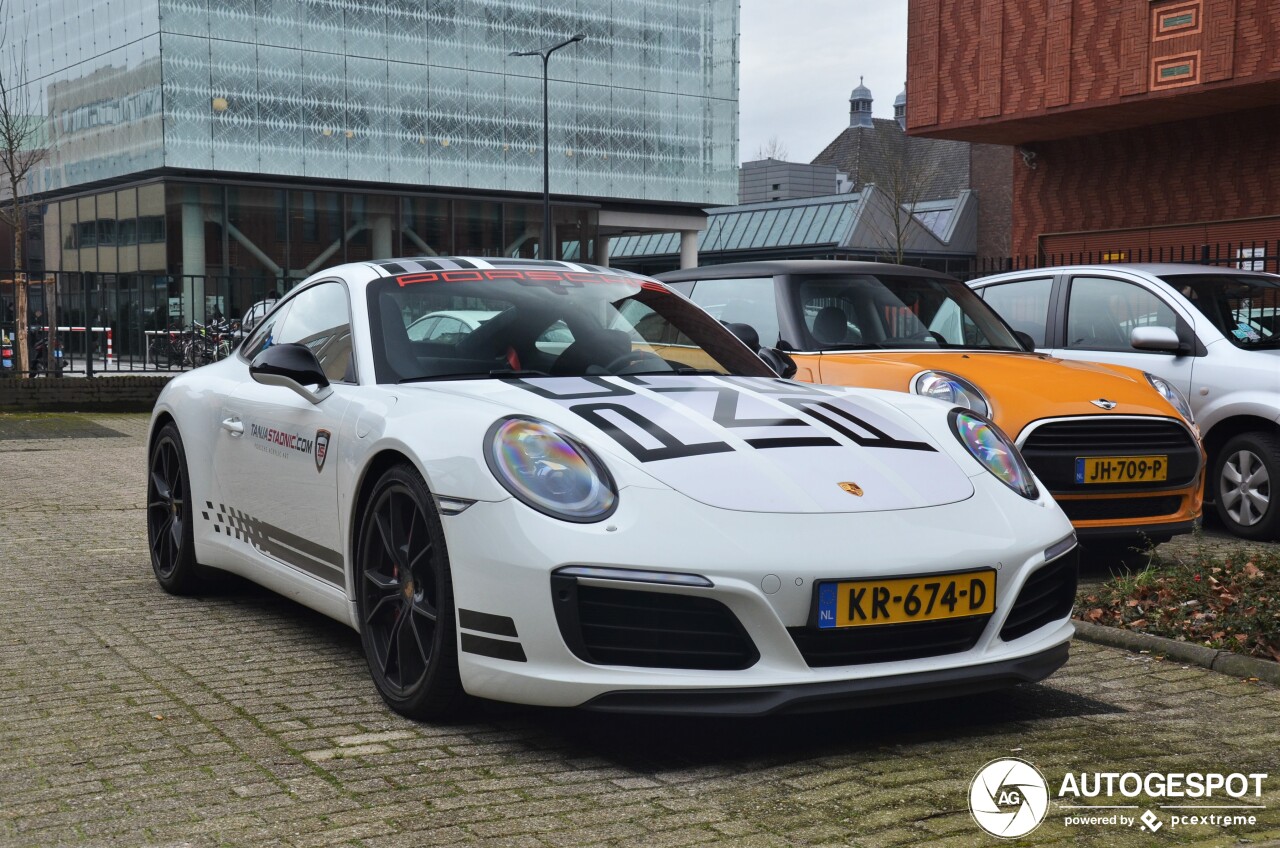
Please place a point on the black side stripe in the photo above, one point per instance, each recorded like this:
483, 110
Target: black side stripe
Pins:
498, 625
496, 648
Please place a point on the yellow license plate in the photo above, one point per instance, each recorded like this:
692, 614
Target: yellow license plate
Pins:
1122, 469
856, 603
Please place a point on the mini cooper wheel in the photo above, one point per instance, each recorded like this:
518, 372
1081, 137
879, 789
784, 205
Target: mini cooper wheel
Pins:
405, 598
1245, 474
169, 513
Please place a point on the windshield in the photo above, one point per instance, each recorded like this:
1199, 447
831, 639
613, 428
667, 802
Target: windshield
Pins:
883, 311
512, 322
1246, 308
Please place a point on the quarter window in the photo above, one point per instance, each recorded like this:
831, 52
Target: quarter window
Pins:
1102, 313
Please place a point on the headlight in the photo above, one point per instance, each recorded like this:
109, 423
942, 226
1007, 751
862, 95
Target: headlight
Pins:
550, 470
952, 389
1170, 393
991, 447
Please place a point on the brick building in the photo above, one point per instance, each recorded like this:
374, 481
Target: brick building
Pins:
1141, 124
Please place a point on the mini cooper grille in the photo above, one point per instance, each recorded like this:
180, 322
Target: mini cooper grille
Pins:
1087, 509
1052, 449
649, 629
887, 642
1047, 596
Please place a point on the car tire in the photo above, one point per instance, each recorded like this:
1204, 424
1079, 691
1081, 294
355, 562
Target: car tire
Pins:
404, 596
170, 517
1245, 473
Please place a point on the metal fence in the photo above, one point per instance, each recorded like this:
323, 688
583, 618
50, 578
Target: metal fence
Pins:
138, 323
129, 323
1247, 256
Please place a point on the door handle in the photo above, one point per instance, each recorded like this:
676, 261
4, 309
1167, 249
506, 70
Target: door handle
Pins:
233, 426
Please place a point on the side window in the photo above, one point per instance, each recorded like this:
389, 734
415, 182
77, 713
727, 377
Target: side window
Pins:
264, 334
321, 319
1102, 312
422, 328
1023, 305
743, 301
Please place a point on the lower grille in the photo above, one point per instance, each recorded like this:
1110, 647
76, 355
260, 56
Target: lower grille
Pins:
1047, 596
649, 629
1086, 509
887, 642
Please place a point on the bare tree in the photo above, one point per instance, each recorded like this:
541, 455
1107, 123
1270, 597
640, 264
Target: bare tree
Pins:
22, 148
904, 178
773, 149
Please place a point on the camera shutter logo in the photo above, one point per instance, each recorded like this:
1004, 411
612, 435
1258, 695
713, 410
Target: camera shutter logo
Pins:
1008, 798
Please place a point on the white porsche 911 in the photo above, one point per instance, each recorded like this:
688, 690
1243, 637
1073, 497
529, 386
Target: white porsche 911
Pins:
601, 497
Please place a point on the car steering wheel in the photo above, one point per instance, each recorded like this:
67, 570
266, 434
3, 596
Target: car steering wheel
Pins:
634, 357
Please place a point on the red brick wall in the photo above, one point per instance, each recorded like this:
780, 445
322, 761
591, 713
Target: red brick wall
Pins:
975, 64
991, 178
1188, 182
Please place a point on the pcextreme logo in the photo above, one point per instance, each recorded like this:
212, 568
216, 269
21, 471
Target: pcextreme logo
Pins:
1009, 798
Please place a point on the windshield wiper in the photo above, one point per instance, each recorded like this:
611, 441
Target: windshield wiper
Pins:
497, 373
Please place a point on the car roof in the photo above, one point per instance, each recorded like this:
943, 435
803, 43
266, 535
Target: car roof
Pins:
419, 264
794, 266
466, 315
1154, 269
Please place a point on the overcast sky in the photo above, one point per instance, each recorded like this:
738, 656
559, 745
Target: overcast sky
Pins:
800, 59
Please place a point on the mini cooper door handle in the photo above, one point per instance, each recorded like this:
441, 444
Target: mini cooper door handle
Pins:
233, 426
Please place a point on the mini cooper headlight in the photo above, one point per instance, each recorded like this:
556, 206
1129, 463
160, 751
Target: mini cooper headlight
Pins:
994, 450
952, 389
1170, 393
550, 470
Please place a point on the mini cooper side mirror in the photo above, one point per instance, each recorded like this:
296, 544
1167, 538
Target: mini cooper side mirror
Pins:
294, 367
746, 334
1155, 338
1025, 340
782, 364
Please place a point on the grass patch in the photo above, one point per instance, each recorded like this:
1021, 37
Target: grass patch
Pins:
1223, 598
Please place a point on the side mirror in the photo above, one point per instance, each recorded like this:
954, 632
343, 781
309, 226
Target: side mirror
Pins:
782, 364
1025, 339
294, 367
1155, 338
746, 334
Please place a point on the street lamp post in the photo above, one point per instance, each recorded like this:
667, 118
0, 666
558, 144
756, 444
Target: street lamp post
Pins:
548, 251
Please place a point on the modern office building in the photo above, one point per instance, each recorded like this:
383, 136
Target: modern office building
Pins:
201, 151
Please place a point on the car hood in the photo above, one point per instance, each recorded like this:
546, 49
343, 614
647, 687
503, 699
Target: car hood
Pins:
749, 444
1022, 387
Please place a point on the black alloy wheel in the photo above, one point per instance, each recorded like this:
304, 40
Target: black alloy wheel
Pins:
405, 599
169, 516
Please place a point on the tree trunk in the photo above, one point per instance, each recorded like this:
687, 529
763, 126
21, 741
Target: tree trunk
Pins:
21, 346
51, 315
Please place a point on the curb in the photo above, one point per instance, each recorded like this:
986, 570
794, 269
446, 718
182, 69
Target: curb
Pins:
1223, 662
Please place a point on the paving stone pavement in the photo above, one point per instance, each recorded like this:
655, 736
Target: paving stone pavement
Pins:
129, 717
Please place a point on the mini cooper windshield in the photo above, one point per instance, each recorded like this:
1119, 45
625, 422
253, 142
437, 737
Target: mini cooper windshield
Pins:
1245, 308
546, 323
862, 311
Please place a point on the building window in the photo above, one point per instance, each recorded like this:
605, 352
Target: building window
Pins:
1176, 70
1173, 20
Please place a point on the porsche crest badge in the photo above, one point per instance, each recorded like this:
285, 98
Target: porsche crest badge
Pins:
852, 488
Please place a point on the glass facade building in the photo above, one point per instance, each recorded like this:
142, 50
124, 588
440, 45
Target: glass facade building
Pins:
194, 143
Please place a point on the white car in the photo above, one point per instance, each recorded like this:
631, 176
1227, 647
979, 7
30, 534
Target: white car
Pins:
648, 519
440, 326
1213, 333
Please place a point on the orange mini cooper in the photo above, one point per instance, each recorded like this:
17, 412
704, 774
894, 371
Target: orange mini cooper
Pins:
1117, 447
